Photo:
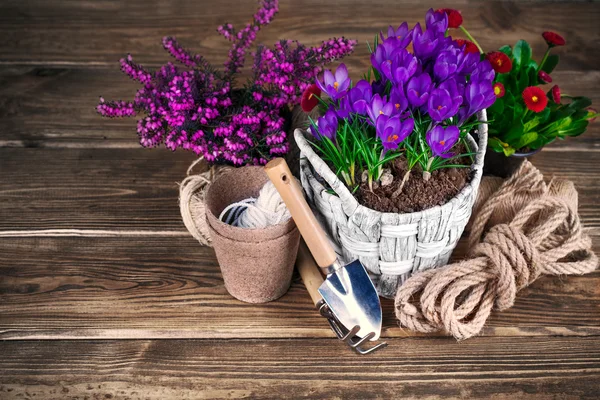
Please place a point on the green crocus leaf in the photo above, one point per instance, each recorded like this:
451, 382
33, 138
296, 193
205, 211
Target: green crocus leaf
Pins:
551, 63
522, 53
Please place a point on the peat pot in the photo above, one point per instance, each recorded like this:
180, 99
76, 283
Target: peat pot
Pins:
257, 264
391, 246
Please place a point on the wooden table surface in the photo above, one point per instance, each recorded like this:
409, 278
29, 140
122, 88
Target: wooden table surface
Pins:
103, 294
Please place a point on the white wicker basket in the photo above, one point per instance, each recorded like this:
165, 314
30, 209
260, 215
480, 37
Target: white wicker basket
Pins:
391, 246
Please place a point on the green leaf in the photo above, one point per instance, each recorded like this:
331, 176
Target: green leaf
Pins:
526, 139
508, 151
550, 63
522, 53
515, 132
574, 129
523, 80
506, 50
578, 103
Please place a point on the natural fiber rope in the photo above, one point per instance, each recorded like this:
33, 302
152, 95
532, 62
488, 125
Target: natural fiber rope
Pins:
192, 192
544, 236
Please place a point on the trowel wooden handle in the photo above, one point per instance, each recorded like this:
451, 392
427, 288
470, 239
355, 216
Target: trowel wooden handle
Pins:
309, 271
291, 193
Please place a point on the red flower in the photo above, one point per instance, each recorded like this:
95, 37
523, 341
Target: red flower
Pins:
555, 91
535, 99
544, 77
553, 39
455, 18
500, 61
310, 98
499, 90
470, 47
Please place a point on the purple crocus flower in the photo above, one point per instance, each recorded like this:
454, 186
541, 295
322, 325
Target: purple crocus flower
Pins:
425, 43
379, 106
455, 88
360, 96
469, 62
441, 105
403, 34
384, 53
326, 126
378, 87
483, 72
478, 95
447, 63
441, 140
436, 21
335, 85
392, 131
417, 90
398, 98
402, 67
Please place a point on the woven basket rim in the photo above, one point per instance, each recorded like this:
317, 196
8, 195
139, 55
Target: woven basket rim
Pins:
472, 186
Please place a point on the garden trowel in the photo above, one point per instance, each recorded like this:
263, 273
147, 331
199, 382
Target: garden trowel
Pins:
347, 290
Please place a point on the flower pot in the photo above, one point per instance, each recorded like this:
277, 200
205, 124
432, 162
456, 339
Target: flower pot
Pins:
391, 246
497, 164
257, 264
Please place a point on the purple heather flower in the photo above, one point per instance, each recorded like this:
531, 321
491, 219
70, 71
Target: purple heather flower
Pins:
335, 85
478, 95
441, 105
441, 140
417, 90
379, 106
436, 21
392, 131
403, 34
398, 98
326, 126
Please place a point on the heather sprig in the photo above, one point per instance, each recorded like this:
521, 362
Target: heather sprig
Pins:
196, 107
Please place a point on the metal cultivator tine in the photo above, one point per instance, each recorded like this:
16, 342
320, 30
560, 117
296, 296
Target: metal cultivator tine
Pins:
349, 336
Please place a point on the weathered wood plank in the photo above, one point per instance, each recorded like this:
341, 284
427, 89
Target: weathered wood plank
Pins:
165, 287
499, 368
106, 30
55, 107
136, 189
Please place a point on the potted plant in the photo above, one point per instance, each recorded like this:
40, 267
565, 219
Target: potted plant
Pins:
196, 107
528, 115
391, 167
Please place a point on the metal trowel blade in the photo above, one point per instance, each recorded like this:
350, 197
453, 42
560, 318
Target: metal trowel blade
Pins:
353, 299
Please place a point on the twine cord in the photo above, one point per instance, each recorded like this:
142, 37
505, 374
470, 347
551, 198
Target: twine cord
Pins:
265, 210
192, 192
544, 236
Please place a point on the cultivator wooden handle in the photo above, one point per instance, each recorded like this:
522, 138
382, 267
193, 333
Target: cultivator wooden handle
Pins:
311, 276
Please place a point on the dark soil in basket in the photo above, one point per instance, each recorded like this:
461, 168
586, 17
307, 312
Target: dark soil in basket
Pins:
417, 194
